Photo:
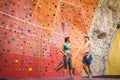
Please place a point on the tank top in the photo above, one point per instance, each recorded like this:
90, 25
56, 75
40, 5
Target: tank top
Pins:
67, 47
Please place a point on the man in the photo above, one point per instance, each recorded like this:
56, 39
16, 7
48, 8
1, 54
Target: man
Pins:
87, 58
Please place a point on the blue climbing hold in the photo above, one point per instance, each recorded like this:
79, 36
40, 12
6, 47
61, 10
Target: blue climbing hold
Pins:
30, 14
13, 38
22, 32
22, 29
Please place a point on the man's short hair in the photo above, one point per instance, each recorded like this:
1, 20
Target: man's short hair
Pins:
87, 37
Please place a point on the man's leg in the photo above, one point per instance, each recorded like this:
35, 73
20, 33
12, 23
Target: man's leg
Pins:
85, 69
89, 69
89, 63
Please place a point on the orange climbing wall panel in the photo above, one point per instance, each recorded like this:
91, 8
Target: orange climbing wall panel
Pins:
33, 31
45, 11
88, 10
67, 14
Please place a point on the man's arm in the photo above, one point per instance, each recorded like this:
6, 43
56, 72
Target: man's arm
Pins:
90, 50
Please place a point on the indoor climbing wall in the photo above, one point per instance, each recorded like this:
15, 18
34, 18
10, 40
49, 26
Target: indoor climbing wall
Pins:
20, 40
32, 33
88, 9
102, 33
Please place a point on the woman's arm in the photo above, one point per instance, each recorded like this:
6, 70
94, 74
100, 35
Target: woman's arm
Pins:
62, 50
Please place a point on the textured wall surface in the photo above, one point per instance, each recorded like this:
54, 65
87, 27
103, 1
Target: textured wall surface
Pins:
102, 32
32, 32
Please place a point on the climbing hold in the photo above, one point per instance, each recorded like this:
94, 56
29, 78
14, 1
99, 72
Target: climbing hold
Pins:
34, 54
34, 4
22, 29
22, 32
57, 33
30, 62
28, 30
21, 48
34, 32
56, 51
46, 70
21, 37
43, 51
29, 69
50, 54
8, 50
24, 22
16, 61
26, 66
30, 14
31, 46
14, 38
27, 7
52, 61
46, 66
55, 69
29, 20
6, 60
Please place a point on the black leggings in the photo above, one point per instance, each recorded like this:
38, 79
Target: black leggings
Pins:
67, 61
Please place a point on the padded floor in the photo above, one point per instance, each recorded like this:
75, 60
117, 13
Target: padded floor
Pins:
71, 78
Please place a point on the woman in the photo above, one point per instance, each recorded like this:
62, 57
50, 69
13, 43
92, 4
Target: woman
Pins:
67, 56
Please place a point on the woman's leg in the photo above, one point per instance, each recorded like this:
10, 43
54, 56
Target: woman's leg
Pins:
65, 65
64, 73
60, 66
70, 65
71, 72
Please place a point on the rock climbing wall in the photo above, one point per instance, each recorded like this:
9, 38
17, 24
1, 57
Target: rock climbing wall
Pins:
33, 31
102, 33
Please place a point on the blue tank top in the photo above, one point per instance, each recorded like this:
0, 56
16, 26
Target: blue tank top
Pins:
67, 47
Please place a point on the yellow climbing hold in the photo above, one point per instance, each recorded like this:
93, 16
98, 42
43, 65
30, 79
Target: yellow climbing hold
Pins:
29, 69
21, 48
2, 2
31, 46
34, 32
16, 61
21, 37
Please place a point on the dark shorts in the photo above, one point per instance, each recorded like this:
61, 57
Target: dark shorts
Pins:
67, 61
87, 61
